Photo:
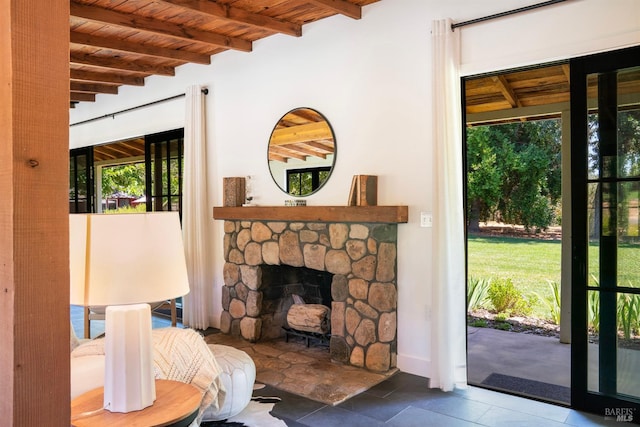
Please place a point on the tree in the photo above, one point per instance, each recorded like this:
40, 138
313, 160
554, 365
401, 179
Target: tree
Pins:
128, 179
627, 165
514, 173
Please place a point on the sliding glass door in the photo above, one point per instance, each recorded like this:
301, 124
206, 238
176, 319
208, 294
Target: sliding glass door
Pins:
163, 165
605, 157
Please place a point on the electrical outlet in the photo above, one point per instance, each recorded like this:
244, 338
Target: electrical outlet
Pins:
426, 219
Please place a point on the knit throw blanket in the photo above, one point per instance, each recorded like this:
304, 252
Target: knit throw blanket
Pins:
179, 355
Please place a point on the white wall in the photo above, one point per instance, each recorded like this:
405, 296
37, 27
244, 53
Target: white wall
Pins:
371, 78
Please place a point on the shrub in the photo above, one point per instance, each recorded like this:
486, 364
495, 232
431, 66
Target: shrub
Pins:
502, 317
553, 302
503, 326
477, 293
141, 207
479, 323
628, 312
505, 298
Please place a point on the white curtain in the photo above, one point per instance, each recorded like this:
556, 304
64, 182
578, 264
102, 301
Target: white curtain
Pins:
448, 346
195, 213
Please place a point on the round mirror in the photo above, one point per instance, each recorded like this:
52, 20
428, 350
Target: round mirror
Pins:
301, 152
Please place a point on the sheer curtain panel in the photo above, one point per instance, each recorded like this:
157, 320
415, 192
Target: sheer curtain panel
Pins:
195, 215
448, 346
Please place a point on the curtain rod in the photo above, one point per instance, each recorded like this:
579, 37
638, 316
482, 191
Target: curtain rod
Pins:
501, 14
113, 115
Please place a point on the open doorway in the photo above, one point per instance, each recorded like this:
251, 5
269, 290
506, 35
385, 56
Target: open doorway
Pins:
514, 199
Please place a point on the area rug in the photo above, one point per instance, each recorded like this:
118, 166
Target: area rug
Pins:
304, 371
256, 414
529, 387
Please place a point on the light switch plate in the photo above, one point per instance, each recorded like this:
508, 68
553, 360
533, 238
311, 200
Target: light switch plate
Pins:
426, 219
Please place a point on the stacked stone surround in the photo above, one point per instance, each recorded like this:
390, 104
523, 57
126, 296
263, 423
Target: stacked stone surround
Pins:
362, 258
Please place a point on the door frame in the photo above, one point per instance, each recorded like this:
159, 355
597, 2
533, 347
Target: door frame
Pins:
74, 181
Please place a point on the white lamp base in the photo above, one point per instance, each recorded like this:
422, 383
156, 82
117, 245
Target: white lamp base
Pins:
129, 383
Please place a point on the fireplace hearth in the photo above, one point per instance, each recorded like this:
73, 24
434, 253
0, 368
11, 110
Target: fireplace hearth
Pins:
357, 263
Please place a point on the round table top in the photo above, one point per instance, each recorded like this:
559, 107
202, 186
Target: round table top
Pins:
174, 402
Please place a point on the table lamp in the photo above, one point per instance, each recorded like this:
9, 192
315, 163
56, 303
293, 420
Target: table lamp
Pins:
124, 261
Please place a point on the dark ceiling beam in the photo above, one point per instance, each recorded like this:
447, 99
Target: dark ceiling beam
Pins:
93, 88
507, 91
110, 17
91, 76
82, 96
118, 64
340, 6
144, 50
239, 16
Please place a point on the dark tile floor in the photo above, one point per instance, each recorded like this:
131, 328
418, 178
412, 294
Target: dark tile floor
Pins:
405, 400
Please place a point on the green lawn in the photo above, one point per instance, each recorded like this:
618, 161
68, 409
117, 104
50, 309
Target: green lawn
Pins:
530, 263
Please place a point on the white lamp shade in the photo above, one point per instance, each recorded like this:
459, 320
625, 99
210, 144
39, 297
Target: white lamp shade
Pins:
126, 258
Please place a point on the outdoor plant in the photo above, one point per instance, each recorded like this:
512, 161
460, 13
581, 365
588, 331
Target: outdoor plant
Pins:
553, 302
506, 298
128, 209
479, 323
502, 317
477, 293
594, 309
628, 311
505, 326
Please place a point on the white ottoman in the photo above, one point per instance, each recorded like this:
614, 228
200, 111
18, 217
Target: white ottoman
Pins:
238, 375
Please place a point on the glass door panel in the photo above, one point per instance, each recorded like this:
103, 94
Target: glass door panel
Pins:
81, 180
164, 165
606, 238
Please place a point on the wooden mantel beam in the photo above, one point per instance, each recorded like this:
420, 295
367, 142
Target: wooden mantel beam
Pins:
365, 214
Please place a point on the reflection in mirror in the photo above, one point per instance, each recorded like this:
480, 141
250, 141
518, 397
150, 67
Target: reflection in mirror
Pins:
301, 152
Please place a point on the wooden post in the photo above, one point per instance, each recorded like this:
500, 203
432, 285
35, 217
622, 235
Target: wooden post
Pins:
34, 224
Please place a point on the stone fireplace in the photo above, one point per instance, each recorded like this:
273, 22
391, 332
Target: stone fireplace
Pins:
361, 256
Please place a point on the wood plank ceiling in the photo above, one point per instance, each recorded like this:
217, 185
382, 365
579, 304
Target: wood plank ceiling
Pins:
535, 87
121, 42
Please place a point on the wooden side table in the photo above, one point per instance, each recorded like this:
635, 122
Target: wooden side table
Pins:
176, 404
